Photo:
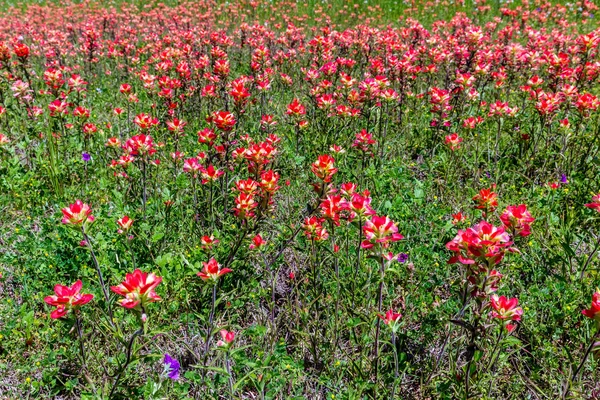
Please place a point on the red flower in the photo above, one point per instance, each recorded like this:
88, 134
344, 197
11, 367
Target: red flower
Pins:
360, 206
486, 199
224, 120
268, 181
295, 109
457, 218
140, 145
248, 186
176, 125
314, 230
192, 165
145, 121
21, 50
227, 338
245, 205
472, 122
77, 214
483, 242
324, 168
212, 270
391, 319
594, 311
124, 223
348, 189
58, 107
257, 242
587, 101
380, 230
556, 185
81, 112
595, 204
210, 174
207, 242
453, 141
138, 289
89, 129
506, 310
67, 298
206, 135
332, 207
125, 88
518, 219
363, 141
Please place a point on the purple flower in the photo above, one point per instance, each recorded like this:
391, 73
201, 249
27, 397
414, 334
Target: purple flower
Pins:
171, 367
402, 257
563, 179
85, 157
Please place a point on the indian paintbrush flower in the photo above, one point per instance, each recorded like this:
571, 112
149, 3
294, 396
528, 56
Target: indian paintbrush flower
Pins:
67, 298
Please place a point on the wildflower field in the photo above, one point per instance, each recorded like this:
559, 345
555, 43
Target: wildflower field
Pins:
300, 200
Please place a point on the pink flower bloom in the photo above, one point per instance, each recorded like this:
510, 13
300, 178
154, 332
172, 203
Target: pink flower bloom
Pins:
138, 289
483, 242
227, 338
192, 166
124, 223
506, 310
210, 174
212, 270
518, 219
77, 214
314, 230
453, 141
67, 298
380, 230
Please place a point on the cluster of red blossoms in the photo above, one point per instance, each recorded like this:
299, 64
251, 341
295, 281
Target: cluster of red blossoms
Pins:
138, 288
482, 247
347, 204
